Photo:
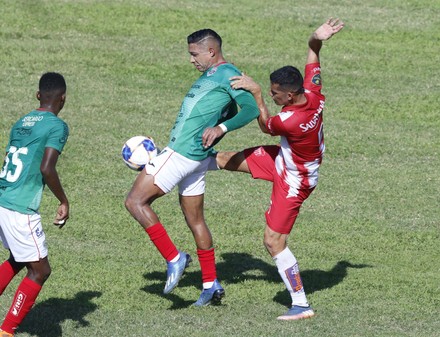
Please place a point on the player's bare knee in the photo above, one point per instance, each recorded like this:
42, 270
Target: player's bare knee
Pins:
131, 203
39, 272
46, 274
274, 242
222, 159
268, 244
128, 203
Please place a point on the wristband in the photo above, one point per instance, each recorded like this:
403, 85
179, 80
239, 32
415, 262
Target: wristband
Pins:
223, 127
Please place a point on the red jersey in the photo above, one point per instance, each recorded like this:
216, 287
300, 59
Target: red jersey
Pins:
301, 131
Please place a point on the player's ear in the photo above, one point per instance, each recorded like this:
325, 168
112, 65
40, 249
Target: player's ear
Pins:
38, 95
62, 100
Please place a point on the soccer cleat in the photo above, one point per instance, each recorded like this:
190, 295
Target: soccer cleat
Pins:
296, 313
5, 334
175, 271
212, 295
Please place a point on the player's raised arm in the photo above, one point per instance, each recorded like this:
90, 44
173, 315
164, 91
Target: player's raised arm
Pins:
323, 33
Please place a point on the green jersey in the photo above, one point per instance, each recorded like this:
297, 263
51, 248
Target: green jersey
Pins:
210, 102
21, 180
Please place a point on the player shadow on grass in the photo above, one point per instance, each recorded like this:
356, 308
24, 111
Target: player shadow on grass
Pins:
45, 318
235, 268
239, 267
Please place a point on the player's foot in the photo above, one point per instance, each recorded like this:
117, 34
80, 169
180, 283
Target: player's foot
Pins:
175, 271
212, 295
5, 334
297, 312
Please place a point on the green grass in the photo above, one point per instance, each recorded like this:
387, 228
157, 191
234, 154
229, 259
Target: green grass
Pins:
366, 240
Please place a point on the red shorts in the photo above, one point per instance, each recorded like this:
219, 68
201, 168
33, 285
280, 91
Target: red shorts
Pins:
283, 210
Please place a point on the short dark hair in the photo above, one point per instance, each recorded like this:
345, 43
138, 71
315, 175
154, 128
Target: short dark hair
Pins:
288, 77
202, 34
52, 82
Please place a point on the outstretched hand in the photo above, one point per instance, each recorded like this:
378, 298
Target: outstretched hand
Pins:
328, 29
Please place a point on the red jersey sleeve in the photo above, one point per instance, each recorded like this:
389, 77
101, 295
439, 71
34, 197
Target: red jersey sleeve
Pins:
276, 126
312, 77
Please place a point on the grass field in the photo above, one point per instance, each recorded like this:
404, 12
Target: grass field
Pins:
367, 239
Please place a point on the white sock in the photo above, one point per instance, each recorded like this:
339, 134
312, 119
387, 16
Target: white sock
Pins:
289, 272
208, 285
176, 258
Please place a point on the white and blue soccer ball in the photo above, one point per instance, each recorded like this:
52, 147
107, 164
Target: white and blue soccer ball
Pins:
138, 151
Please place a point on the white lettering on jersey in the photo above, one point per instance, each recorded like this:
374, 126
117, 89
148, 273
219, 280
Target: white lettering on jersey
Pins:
312, 123
30, 120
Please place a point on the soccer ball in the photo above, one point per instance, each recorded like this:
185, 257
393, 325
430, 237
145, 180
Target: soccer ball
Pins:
138, 151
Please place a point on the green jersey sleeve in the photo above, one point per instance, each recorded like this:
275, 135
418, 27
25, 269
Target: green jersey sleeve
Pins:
248, 111
58, 136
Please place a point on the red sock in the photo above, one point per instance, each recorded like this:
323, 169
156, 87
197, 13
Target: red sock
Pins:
162, 241
24, 299
207, 264
7, 273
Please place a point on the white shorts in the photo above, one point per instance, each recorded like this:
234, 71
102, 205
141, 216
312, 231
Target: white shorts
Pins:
170, 168
23, 235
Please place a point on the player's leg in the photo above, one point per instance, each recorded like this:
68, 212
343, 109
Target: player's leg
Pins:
192, 208
8, 269
232, 161
138, 203
159, 177
288, 269
280, 219
140, 198
24, 236
26, 294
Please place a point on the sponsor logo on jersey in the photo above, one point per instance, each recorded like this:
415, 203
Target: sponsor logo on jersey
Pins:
18, 304
24, 132
312, 123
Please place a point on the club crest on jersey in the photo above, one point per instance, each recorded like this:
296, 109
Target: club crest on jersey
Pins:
212, 72
316, 79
